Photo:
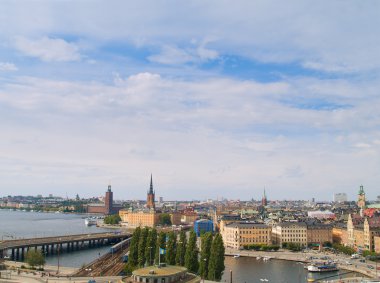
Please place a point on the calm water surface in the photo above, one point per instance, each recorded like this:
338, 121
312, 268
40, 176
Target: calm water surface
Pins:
20, 224
250, 270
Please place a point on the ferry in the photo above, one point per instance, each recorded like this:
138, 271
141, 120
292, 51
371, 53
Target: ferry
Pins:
322, 267
90, 222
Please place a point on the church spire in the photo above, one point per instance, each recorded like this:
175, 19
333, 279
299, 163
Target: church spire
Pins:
151, 185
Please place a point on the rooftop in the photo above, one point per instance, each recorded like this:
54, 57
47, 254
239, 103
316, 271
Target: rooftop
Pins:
162, 271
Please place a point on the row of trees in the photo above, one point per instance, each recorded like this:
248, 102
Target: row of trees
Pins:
261, 247
149, 247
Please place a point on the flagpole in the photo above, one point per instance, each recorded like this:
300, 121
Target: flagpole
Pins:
159, 257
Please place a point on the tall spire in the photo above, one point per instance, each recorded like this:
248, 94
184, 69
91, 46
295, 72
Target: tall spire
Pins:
151, 185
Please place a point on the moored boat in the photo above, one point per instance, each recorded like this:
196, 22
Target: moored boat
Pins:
322, 267
89, 222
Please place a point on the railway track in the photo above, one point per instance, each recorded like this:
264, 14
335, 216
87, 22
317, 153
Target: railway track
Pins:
110, 264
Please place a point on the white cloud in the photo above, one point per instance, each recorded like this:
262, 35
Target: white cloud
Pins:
204, 136
6, 66
48, 49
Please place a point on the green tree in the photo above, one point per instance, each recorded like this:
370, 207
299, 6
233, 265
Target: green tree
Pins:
164, 219
134, 248
141, 246
112, 219
216, 262
151, 246
34, 258
191, 256
171, 248
161, 243
181, 249
206, 242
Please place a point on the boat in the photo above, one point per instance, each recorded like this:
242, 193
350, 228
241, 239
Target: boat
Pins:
322, 267
90, 222
266, 258
258, 258
236, 256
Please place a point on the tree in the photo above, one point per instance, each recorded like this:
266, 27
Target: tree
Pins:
161, 243
150, 247
171, 248
164, 219
191, 256
34, 258
206, 242
216, 262
112, 219
181, 249
134, 248
141, 247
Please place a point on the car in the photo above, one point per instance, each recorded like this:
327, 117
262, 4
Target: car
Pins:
362, 260
370, 266
348, 263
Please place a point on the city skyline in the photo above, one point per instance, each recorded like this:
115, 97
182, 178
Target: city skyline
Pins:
215, 99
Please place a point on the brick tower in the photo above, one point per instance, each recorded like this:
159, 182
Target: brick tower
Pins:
108, 201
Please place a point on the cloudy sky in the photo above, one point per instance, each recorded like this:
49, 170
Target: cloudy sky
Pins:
215, 98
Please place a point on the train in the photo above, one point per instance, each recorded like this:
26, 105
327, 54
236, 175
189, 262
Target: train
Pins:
125, 257
123, 244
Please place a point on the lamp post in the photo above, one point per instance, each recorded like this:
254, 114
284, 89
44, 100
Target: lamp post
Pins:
150, 255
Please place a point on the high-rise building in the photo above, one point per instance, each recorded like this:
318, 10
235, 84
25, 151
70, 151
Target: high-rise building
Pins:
150, 201
361, 197
340, 197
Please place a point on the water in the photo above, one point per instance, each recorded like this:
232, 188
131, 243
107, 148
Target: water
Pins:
250, 270
20, 224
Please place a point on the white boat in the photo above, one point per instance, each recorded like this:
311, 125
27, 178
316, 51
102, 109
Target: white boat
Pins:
89, 222
236, 256
322, 267
266, 258
258, 258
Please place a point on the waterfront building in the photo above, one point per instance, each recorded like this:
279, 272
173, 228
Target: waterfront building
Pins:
339, 233
139, 218
361, 232
340, 197
236, 235
290, 232
203, 226
318, 233
361, 198
107, 207
376, 240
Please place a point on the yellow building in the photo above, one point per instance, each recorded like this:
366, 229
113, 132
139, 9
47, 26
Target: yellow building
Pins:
290, 232
239, 234
339, 234
377, 244
141, 218
319, 233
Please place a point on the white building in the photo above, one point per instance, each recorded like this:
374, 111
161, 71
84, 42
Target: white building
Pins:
340, 197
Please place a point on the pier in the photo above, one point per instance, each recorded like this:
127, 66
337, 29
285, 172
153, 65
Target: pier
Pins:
17, 249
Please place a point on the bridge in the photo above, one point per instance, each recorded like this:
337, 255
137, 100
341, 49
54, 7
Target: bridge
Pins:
57, 244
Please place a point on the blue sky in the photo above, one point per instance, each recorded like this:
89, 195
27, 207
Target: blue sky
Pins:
215, 98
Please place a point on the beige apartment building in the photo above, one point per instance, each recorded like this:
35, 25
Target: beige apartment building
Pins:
376, 240
319, 233
290, 232
236, 235
362, 232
